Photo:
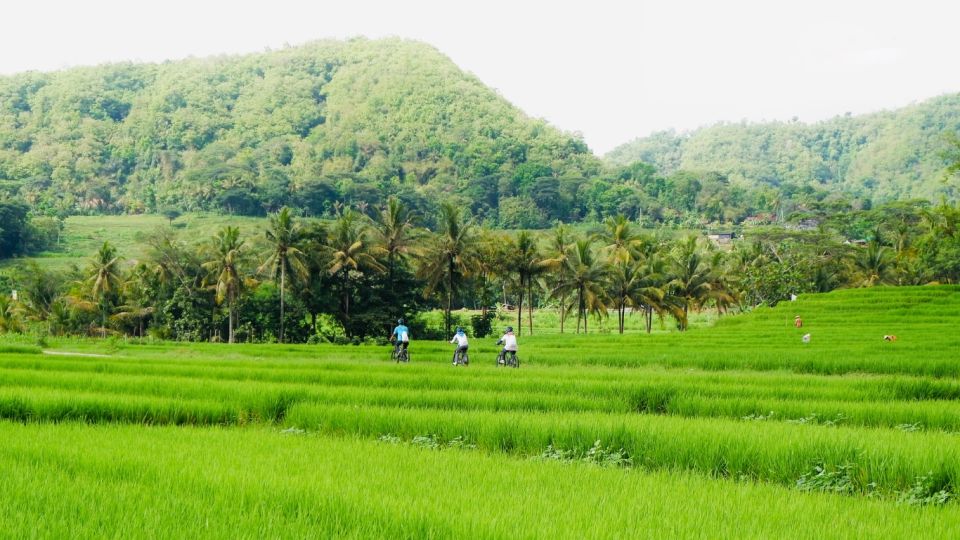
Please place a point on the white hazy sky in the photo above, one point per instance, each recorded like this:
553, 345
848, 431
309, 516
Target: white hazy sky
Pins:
613, 70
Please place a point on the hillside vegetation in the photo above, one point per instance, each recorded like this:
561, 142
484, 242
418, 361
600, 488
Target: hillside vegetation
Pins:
303, 126
889, 155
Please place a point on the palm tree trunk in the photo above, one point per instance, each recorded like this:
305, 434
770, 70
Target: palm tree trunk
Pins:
483, 295
448, 311
530, 305
580, 311
563, 311
283, 286
622, 313
346, 296
230, 315
520, 311
447, 320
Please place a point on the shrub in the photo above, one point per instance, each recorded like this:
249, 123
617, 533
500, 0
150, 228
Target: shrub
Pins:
482, 324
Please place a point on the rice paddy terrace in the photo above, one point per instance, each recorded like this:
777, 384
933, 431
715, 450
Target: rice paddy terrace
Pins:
738, 430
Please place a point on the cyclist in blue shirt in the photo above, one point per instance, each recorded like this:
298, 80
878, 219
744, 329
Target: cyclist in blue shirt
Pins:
400, 336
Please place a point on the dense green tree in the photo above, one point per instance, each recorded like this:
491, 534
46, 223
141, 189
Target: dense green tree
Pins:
14, 225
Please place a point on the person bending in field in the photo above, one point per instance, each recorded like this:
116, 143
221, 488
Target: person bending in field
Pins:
400, 336
509, 341
460, 338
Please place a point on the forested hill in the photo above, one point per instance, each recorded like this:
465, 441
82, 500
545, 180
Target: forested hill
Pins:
303, 126
887, 155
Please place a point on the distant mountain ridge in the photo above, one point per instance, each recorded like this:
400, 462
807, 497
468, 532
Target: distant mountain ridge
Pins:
306, 126
885, 156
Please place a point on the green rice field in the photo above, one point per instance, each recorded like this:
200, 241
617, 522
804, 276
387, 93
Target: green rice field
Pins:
736, 430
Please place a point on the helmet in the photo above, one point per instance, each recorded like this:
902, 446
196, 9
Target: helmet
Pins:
399, 321
509, 329
459, 329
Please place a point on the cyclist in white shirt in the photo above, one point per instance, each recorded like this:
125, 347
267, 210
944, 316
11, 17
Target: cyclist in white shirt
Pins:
509, 341
460, 338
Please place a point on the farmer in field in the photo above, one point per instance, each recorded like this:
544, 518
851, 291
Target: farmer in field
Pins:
798, 322
400, 336
460, 338
509, 341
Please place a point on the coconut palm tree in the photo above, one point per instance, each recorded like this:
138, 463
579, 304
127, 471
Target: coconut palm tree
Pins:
692, 280
225, 256
523, 261
39, 290
350, 252
874, 265
722, 292
584, 282
136, 306
394, 235
285, 257
10, 317
449, 257
651, 296
556, 265
487, 262
631, 285
621, 244
104, 281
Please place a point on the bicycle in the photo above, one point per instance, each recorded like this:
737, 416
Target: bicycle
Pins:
400, 354
461, 358
508, 359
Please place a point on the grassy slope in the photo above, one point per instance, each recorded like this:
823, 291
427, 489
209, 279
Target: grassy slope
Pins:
164, 482
83, 235
715, 446
846, 327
